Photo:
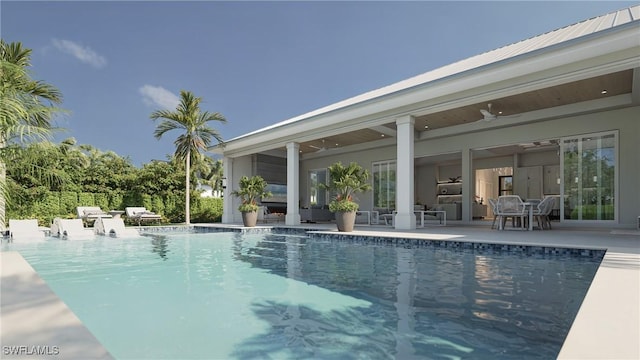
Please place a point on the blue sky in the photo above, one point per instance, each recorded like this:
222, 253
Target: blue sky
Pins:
257, 63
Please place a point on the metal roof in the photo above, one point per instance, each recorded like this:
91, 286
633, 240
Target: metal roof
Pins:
546, 40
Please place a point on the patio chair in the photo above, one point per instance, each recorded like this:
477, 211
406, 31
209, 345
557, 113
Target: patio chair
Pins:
113, 228
510, 206
71, 229
26, 229
543, 210
89, 214
141, 214
494, 208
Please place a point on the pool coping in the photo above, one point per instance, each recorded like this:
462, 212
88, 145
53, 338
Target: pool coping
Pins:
607, 325
34, 322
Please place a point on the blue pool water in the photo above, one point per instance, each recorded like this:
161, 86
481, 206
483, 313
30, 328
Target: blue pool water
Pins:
223, 295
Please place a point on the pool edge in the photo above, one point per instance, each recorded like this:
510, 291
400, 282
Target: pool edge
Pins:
607, 324
56, 332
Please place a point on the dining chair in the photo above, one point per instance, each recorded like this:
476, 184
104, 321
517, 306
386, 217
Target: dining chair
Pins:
542, 211
511, 206
494, 208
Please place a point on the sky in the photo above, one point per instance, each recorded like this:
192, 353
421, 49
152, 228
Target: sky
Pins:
257, 63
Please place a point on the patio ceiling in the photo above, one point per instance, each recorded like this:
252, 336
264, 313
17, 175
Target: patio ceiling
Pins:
584, 90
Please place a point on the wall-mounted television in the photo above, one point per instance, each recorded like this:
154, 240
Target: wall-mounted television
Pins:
278, 193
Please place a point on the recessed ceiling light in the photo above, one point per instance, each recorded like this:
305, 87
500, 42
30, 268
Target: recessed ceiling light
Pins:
426, 126
381, 135
603, 92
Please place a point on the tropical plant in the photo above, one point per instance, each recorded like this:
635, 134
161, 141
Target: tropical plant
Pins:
196, 134
345, 182
26, 108
209, 172
251, 189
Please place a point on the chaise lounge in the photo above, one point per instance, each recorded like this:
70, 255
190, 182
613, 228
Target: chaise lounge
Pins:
113, 228
71, 229
25, 229
89, 214
141, 214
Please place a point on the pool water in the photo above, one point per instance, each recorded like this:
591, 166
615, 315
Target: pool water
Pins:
224, 295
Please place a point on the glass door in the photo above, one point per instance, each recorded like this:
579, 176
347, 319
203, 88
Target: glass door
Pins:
384, 185
589, 177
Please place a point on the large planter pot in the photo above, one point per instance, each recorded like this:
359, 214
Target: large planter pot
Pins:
345, 220
249, 219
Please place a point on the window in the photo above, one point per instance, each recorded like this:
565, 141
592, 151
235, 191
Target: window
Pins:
317, 195
384, 185
505, 185
589, 174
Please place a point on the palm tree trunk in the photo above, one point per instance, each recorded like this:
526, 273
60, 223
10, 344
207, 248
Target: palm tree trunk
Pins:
187, 215
3, 188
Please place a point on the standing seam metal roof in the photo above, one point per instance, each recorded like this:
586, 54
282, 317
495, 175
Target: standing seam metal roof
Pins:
567, 33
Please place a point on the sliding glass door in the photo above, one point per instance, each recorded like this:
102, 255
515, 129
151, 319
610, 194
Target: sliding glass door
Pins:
384, 185
590, 176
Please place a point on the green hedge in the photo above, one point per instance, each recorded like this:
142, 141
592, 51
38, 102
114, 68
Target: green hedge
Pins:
590, 212
46, 205
207, 210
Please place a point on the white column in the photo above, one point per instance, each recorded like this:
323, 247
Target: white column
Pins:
227, 198
293, 184
468, 185
405, 218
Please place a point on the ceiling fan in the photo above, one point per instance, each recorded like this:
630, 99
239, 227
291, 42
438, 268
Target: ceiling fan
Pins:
319, 149
487, 114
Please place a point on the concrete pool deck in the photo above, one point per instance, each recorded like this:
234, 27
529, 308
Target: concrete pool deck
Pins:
34, 322
607, 325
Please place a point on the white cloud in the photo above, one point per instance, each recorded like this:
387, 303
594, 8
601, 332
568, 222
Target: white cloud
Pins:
84, 54
159, 96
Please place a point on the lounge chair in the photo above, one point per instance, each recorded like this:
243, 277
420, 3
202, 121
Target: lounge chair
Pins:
89, 214
25, 230
71, 229
141, 214
113, 228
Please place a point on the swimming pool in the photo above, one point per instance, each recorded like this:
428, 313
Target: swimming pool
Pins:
227, 295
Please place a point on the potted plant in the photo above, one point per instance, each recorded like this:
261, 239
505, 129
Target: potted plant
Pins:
250, 190
345, 181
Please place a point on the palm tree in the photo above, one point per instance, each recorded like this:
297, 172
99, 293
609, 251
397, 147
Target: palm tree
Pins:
196, 136
209, 172
27, 105
26, 108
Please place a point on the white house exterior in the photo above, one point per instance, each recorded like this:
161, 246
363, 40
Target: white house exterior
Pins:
561, 117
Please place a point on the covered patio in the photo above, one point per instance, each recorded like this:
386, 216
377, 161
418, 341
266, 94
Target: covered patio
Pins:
533, 107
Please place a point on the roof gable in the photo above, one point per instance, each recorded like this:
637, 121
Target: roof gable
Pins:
563, 35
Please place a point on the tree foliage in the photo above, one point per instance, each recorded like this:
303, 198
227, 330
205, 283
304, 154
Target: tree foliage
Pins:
81, 175
196, 134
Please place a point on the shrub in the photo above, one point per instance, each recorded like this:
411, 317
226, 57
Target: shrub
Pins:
208, 210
